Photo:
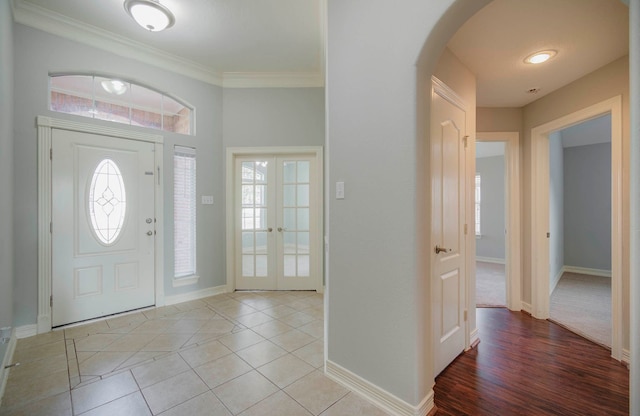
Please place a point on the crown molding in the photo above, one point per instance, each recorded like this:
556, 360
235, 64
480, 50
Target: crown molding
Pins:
43, 19
272, 80
40, 18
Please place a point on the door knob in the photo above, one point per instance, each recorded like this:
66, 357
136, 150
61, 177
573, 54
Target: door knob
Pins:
281, 229
149, 220
269, 229
149, 232
442, 250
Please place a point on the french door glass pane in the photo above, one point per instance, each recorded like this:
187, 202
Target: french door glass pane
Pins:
295, 218
254, 218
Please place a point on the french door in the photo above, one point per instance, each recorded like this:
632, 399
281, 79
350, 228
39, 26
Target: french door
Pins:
276, 222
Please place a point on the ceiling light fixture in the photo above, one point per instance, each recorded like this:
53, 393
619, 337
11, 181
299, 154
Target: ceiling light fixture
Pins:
540, 56
114, 86
150, 14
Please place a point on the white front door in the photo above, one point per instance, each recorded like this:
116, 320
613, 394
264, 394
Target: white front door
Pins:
103, 225
448, 245
276, 222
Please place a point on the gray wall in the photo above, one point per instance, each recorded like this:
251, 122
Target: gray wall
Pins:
587, 214
273, 117
492, 215
251, 117
6, 170
556, 208
36, 54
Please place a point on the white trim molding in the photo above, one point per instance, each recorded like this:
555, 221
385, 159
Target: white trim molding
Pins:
586, 270
195, 295
513, 262
540, 212
376, 395
626, 356
272, 80
491, 260
26, 331
45, 127
526, 307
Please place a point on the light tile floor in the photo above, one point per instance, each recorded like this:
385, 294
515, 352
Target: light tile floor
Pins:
245, 353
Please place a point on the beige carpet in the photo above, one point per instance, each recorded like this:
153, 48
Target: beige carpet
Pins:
582, 304
490, 284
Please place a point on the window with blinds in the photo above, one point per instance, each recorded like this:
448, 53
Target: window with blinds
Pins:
184, 211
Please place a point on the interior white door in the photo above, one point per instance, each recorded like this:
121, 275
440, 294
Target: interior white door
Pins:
448, 210
103, 231
276, 211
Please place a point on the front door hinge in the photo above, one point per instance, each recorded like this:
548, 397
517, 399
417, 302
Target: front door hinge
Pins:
50, 153
465, 315
465, 229
464, 140
51, 301
51, 228
548, 235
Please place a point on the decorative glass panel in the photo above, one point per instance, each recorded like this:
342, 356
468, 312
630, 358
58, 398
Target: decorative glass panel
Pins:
107, 201
119, 101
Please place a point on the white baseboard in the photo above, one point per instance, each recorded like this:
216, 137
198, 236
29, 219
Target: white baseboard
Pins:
626, 356
526, 307
556, 279
195, 295
381, 398
585, 270
26, 331
474, 338
491, 260
7, 360
321, 290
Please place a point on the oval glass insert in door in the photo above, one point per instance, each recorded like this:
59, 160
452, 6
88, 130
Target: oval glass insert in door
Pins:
107, 202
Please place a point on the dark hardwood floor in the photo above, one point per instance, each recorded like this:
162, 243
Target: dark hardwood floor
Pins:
526, 366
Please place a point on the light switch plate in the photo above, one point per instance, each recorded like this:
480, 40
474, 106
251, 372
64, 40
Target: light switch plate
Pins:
207, 199
339, 190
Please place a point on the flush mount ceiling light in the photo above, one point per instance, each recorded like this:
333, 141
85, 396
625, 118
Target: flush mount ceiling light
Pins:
540, 56
150, 14
114, 86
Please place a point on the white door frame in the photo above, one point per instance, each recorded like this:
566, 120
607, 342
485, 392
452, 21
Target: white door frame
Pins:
540, 212
235, 152
513, 266
45, 127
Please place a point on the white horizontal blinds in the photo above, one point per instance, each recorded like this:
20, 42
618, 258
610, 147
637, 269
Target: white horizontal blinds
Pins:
184, 211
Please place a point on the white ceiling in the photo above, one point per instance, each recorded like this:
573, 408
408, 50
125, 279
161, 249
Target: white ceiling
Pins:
281, 42
211, 39
587, 34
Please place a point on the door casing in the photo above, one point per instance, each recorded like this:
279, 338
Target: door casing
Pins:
45, 126
235, 152
512, 199
539, 307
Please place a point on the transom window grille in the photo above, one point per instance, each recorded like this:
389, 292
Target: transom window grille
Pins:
107, 202
184, 211
119, 101
478, 202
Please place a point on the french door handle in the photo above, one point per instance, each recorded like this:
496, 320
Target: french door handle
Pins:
281, 229
439, 250
269, 229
